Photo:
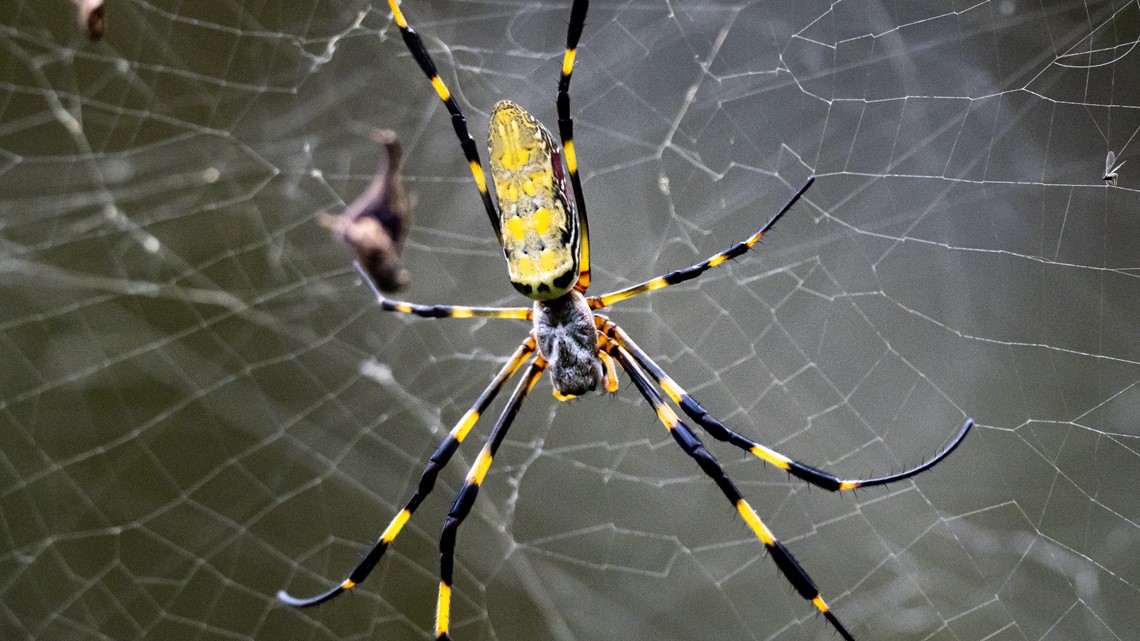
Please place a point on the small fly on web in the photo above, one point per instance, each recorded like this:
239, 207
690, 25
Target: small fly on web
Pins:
91, 18
375, 224
1110, 171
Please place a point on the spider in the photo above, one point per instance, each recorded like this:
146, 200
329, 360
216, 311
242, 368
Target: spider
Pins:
546, 243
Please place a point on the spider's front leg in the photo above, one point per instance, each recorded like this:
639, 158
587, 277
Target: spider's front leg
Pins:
458, 121
566, 132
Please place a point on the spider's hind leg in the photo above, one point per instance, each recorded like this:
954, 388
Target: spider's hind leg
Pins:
465, 499
692, 446
436, 463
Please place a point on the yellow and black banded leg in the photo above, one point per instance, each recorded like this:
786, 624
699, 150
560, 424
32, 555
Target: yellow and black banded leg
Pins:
458, 122
436, 463
721, 432
470, 490
691, 272
566, 132
443, 311
692, 446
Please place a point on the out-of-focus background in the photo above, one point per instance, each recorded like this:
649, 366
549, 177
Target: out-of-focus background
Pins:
200, 404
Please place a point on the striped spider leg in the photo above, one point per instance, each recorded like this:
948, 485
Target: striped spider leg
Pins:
437, 462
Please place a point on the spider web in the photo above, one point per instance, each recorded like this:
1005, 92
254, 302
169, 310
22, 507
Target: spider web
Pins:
199, 403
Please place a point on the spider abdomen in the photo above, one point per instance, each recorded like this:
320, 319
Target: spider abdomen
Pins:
539, 228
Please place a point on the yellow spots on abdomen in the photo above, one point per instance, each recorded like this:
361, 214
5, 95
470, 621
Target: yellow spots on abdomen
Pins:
539, 222
530, 267
548, 259
540, 235
516, 229
515, 156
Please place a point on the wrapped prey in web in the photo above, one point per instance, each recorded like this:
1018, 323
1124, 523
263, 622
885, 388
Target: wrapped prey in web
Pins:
91, 18
375, 225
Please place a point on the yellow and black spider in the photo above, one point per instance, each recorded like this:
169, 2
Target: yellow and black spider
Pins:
546, 242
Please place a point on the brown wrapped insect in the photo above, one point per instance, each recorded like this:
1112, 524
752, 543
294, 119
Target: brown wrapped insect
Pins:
91, 18
375, 224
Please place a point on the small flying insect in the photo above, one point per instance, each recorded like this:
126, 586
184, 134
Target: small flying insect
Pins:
91, 18
375, 225
1110, 171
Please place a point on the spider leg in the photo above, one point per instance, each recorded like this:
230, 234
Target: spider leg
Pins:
721, 432
470, 490
427, 481
609, 377
691, 272
692, 446
566, 132
458, 121
443, 311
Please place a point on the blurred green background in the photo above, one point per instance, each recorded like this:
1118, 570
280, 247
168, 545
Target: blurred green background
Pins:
200, 404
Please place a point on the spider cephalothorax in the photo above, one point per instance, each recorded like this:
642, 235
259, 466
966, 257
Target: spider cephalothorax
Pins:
546, 243
568, 340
